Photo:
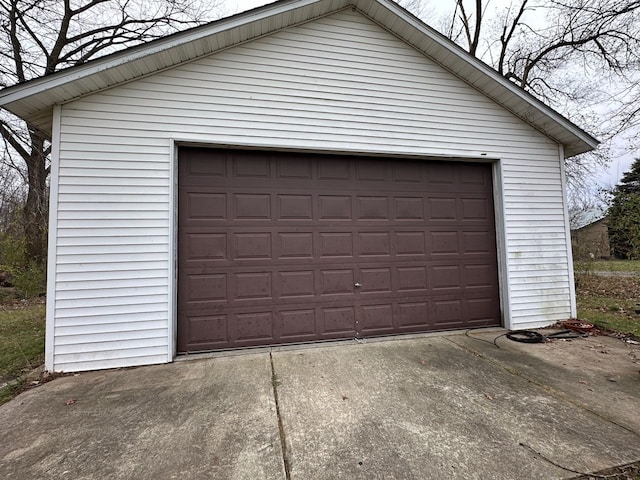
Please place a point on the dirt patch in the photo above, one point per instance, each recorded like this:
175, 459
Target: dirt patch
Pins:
15, 303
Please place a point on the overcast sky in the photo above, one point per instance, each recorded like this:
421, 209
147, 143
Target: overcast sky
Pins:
610, 177
243, 5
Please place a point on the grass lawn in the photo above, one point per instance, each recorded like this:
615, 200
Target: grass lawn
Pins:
608, 266
609, 301
21, 344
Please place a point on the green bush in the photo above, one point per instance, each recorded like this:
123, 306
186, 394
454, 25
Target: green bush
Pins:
28, 276
31, 280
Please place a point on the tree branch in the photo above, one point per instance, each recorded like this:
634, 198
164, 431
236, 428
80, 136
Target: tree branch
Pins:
10, 137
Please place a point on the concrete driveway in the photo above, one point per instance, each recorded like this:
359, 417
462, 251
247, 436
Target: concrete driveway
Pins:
421, 408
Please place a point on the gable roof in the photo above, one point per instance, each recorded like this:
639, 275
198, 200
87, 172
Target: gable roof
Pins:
34, 100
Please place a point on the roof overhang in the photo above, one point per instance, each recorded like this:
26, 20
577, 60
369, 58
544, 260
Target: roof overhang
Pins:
34, 100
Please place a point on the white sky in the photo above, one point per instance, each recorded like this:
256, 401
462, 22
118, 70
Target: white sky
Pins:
243, 5
608, 178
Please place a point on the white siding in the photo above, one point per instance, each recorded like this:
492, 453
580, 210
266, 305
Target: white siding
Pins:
340, 83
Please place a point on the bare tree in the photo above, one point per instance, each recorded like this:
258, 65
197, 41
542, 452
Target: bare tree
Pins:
40, 37
599, 36
582, 57
12, 196
419, 8
470, 23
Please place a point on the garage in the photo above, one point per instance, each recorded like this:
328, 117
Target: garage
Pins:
278, 247
309, 170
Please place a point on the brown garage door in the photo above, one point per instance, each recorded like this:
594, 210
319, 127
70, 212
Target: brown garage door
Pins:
278, 247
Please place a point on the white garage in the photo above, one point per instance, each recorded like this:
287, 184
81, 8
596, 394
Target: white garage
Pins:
305, 171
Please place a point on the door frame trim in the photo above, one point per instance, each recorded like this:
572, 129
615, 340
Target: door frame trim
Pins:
498, 205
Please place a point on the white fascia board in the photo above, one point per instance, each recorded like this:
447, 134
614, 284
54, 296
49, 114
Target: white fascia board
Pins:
452, 50
160, 46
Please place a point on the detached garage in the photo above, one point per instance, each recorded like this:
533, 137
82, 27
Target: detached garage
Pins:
306, 171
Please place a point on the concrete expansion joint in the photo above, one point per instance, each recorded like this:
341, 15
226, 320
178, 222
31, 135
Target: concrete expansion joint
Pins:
545, 387
283, 439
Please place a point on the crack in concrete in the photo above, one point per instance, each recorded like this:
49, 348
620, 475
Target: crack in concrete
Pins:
283, 438
547, 388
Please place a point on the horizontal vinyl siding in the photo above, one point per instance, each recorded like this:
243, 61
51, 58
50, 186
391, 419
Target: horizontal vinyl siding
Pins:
340, 83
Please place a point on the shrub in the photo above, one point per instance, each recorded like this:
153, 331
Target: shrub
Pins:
27, 276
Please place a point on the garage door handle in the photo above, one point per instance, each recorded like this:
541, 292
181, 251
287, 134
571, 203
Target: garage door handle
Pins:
357, 285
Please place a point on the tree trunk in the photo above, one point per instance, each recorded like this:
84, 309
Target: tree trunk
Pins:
36, 206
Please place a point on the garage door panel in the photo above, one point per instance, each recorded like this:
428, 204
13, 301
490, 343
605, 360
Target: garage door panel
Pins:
413, 316
206, 332
297, 325
372, 208
251, 206
374, 281
295, 207
335, 207
376, 319
252, 328
210, 287
250, 165
443, 243
411, 243
374, 244
411, 278
336, 282
447, 313
337, 321
476, 242
201, 165
335, 244
294, 166
272, 245
251, 286
251, 246
335, 169
294, 245
408, 208
199, 247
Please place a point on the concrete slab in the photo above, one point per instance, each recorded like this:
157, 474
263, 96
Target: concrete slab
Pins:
189, 420
598, 373
432, 409
421, 408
